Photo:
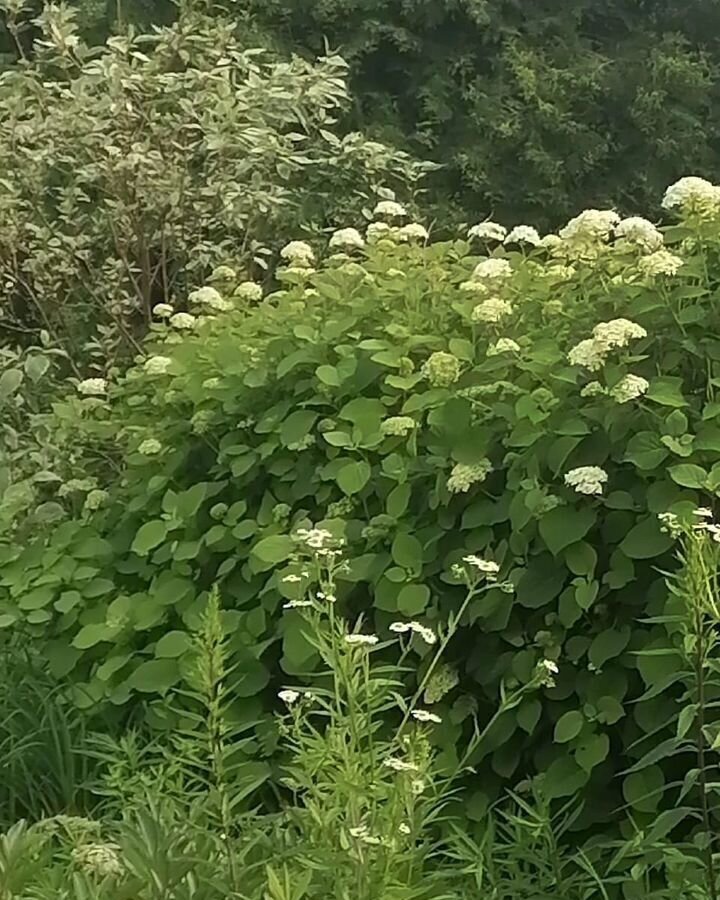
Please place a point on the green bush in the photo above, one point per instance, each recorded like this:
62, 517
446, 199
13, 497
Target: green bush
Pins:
539, 405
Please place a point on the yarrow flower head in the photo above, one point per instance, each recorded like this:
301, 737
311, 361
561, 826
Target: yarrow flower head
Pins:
630, 387
424, 715
692, 194
208, 296
427, 634
366, 640
92, 387
398, 426
249, 291
412, 232
464, 476
639, 231
587, 479
486, 567
315, 538
503, 345
299, 254
661, 262
545, 671
150, 447
289, 696
389, 209
99, 860
492, 269
347, 239
163, 310
523, 234
488, 231
157, 365
671, 524
441, 369
183, 321
492, 310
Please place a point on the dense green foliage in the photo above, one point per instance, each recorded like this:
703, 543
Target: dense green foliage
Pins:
537, 109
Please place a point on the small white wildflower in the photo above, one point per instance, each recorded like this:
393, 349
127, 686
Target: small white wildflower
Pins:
670, 523
92, 387
389, 209
367, 640
703, 512
289, 696
424, 715
630, 387
592, 389
347, 238
248, 290
292, 579
417, 786
491, 269
491, 310
400, 627
486, 566
427, 634
399, 765
183, 321
503, 345
661, 262
559, 272
550, 666
163, 311
314, 538
223, 273
205, 296
157, 365
639, 231
587, 479
692, 194
412, 232
463, 476
398, 426
299, 254
488, 231
376, 231
95, 499
523, 234
150, 447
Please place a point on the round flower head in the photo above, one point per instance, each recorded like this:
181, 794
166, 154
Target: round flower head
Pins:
157, 365
150, 447
412, 232
618, 332
491, 310
639, 231
95, 499
488, 231
630, 387
590, 354
389, 209
377, 231
475, 287
490, 269
163, 311
347, 239
97, 859
248, 290
398, 426
692, 194
183, 321
298, 254
92, 387
441, 369
592, 389
661, 262
591, 225
223, 273
587, 479
464, 476
205, 296
503, 345
551, 241
523, 234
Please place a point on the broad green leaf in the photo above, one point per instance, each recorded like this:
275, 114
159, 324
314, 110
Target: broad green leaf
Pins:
646, 540
172, 645
407, 552
297, 427
149, 536
607, 645
156, 676
592, 751
353, 476
10, 381
568, 726
646, 451
688, 475
273, 549
565, 525
413, 599
667, 391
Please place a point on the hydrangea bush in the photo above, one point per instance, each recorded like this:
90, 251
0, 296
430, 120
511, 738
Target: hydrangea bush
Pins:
534, 403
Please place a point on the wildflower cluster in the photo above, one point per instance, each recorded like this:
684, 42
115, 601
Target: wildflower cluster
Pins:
463, 475
587, 479
441, 369
593, 352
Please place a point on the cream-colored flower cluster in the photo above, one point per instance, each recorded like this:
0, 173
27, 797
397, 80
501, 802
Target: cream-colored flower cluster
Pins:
463, 476
587, 479
441, 369
491, 311
692, 195
591, 353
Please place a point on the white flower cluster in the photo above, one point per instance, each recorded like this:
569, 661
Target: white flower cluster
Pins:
592, 352
150, 447
347, 239
551, 241
424, 715
692, 194
315, 538
492, 310
376, 231
661, 262
523, 234
464, 476
486, 567
639, 231
362, 640
427, 634
299, 254
587, 479
441, 369
92, 387
209, 297
412, 232
545, 671
99, 860
398, 426
503, 345
488, 231
389, 209
400, 765
492, 269
289, 696
157, 365
630, 387
249, 291
163, 310
183, 321
590, 226
592, 389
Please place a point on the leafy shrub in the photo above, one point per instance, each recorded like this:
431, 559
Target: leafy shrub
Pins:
424, 402
133, 169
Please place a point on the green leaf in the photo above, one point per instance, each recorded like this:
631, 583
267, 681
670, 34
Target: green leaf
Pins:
565, 525
156, 676
36, 366
328, 375
90, 635
667, 391
413, 599
646, 540
592, 751
274, 549
643, 790
607, 645
581, 558
297, 426
10, 381
688, 475
149, 536
568, 726
353, 477
172, 645
646, 451
407, 552
398, 499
